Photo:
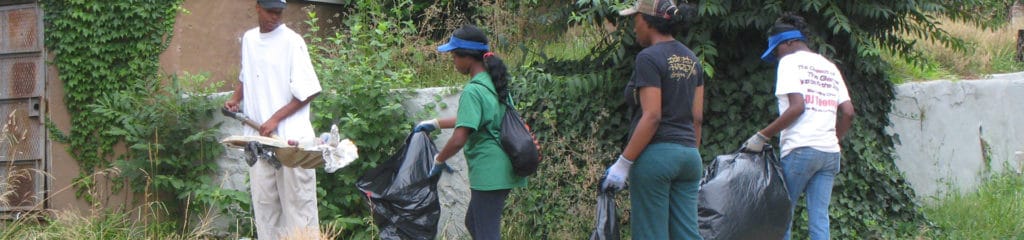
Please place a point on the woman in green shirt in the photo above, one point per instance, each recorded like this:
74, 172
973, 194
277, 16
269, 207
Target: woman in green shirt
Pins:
477, 127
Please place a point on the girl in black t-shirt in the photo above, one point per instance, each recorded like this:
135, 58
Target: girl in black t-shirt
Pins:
666, 95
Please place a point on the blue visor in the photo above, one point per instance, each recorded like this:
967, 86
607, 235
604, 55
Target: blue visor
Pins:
456, 43
774, 41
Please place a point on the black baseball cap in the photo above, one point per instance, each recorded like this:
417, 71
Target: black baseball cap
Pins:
271, 4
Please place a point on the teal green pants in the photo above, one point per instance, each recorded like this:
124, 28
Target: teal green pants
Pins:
663, 186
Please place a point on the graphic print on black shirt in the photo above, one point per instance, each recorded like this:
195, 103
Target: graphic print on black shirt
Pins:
673, 68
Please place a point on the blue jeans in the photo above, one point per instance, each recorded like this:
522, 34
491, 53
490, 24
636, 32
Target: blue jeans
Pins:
810, 171
663, 186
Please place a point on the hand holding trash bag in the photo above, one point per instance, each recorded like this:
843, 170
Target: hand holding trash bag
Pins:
617, 174
403, 200
437, 167
426, 126
755, 143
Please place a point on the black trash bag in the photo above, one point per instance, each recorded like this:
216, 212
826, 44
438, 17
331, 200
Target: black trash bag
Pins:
607, 227
402, 196
744, 196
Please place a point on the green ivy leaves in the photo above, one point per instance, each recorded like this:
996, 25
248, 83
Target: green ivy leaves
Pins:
107, 55
870, 193
102, 48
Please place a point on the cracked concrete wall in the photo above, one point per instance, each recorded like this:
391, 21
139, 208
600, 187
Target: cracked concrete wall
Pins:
950, 134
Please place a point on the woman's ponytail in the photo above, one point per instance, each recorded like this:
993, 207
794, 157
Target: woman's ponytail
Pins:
499, 75
677, 19
683, 14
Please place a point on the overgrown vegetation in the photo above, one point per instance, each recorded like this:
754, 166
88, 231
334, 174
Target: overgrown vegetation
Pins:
107, 55
172, 146
101, 48
871, 199
991, 212
988, 51
359, 68
573, 102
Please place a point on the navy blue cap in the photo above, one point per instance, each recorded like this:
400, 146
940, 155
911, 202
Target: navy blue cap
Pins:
271, 4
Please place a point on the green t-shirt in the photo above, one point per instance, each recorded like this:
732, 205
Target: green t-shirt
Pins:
479, 110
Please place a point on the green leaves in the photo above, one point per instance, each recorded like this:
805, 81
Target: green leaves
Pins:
729, 38
100, 49
359, 68
171, 146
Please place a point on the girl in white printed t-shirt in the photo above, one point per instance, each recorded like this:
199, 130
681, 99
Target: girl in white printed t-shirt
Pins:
815, 112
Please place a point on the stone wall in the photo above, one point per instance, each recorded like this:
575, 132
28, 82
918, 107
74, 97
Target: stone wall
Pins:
951, 134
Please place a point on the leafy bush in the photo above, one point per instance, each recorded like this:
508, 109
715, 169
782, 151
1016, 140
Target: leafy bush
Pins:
359, 69
100, 48
576, 119
871, 199
171, 149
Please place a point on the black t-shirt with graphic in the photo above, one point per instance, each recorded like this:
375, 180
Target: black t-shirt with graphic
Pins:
674, 68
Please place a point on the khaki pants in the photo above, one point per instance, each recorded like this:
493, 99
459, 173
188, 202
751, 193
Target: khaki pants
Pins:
284, 202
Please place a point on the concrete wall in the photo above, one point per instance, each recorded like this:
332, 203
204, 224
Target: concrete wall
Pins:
453, 187
953, 133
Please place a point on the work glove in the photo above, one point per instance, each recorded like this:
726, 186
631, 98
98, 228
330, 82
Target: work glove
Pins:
428, 125
617, 174
755, 143
435, 170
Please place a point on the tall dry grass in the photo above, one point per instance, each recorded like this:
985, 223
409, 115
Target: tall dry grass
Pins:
989, 51
7, 143
146, 221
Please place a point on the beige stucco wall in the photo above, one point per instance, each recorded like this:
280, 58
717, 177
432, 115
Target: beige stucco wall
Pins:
206, 39
63, 169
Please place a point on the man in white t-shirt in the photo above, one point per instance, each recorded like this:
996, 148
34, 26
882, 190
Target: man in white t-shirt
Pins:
815, 112
277, 82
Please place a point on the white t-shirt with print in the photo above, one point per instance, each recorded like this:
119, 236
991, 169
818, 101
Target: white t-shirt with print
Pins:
823, 89
275, 69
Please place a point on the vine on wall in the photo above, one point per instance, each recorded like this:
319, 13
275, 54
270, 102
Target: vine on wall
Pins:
100, 48
107, 54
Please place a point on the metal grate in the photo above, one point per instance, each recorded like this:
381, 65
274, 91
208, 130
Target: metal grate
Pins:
21, 77
20, 30
22, 186
26, 133
22, 156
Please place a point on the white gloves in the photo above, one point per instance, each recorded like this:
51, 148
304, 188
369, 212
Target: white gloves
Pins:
755, 143
427, 126
617, 174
